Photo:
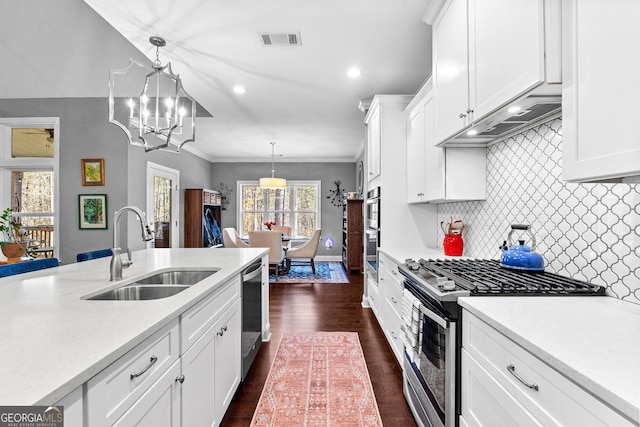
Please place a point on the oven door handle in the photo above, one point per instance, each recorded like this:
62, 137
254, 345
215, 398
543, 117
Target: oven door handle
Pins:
431, 315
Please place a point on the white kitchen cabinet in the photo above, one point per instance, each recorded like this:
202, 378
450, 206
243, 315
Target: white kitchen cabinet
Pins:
416, 144
372, 122
124, 383
436, 174
505, 385
159, 406
212, 370
73, 408
391, 289
600, 90
487, 54
228, 366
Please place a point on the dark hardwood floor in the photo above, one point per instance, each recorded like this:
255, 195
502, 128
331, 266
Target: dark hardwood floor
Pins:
325, 307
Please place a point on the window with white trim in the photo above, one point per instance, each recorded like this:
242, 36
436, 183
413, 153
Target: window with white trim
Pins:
297, 206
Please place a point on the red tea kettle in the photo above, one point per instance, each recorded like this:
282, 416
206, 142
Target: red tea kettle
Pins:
520, 256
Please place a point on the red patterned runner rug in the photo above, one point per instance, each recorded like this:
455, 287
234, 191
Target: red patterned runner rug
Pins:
318, 379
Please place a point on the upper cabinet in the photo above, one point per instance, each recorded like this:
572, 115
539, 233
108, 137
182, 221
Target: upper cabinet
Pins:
436, 174
487, 55
372, 121
601, 87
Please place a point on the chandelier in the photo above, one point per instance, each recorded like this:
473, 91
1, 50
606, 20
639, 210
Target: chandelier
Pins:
150, 105
272, 182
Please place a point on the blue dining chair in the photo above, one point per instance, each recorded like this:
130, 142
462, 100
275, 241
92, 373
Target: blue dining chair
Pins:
27, 266
86, 256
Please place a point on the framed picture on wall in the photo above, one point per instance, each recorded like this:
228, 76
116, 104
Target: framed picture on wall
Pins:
92, 211
92, 171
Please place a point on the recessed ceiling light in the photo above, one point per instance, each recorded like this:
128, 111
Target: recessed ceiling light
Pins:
239, 89
353, 72
472, 132
514, 109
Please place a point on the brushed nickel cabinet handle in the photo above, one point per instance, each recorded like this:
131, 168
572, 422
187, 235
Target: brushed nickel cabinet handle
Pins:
512, 371
180, 379
153, 360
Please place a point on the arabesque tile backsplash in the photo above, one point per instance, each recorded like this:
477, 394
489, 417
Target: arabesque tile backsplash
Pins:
587, 231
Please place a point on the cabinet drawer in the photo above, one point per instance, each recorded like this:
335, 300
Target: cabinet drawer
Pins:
484, 402
392, 291
374, 300
392, 323
391, 268
195, 322
556, 402
114, 390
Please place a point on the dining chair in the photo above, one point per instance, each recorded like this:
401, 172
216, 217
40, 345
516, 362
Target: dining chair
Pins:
273, 241
285, 229
27, 266
231, 239
304, 254
100, 253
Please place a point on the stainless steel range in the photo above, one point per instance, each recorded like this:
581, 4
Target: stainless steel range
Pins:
432, 333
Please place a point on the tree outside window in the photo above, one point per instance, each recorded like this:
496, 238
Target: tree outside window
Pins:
297, 206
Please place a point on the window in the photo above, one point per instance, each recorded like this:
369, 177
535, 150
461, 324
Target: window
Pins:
28, 161
297, 206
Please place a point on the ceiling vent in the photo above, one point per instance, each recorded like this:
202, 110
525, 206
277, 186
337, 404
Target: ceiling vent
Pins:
280, 39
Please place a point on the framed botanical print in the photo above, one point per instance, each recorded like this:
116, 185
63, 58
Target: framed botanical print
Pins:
92, 211
92, 171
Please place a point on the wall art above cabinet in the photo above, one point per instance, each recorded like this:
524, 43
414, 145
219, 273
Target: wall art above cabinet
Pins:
488, 64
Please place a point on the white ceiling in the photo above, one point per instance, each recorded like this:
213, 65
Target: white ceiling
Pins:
300, 96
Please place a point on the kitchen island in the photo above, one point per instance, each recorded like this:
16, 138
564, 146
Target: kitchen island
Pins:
54, 341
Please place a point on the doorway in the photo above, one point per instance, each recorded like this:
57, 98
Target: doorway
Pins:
163, 190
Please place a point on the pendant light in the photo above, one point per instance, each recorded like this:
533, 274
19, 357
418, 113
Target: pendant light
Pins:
150, 105
272, 182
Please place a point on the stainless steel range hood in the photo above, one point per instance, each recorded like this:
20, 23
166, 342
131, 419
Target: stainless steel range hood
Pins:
509, 120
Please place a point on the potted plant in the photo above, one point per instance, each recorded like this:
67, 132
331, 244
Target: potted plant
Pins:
12, 247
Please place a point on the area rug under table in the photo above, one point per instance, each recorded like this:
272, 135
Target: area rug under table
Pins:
326, 272
318, 379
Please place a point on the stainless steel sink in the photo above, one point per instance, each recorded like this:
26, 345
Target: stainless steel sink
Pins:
140, 292
175, 277
156, 286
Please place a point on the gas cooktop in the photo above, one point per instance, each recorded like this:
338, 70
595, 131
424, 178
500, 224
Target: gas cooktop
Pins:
487, 277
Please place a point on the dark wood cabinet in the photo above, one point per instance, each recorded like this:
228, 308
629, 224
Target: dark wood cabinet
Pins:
202, 211
352, 238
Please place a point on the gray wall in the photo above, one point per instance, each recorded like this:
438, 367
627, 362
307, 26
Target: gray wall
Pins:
85, 132
327, 173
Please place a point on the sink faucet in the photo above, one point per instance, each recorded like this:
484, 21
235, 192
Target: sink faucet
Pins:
117, 263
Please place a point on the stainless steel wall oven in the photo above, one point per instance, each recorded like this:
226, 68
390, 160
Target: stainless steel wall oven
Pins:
372, 232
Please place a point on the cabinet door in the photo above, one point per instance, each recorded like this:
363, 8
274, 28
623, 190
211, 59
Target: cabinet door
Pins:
434, 160
415, 155
506, 51
228, 359
485, 403
198, 400
373, 144
159, 406
600, 90
450, 69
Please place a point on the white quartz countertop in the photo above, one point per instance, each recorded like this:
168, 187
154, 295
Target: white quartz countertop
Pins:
52, 340
594, 341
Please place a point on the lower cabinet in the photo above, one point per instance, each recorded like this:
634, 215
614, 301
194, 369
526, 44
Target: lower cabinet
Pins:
159, 406
502, 384
183, 375
211, 371
389, 304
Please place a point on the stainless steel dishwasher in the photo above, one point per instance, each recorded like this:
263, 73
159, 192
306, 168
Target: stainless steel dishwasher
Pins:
251, 314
